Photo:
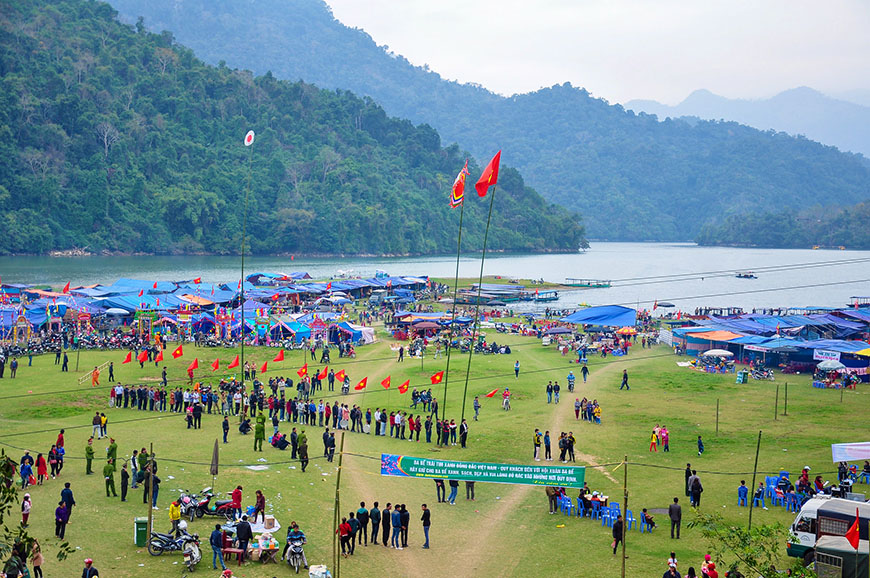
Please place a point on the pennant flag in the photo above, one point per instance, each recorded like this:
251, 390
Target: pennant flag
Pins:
249, 138
280, 356
158, 301
492, 393
458, 194
216, 365
197, 281
437, 378
302, 371
655, 304
340, 376
128, 359
362, 384
178, 352
66, 288
212, 289
852, 534
159, 357
154, 286
323, 373
329, 286
264, 367
489, 176
386, 383
194, 364
141, 292
275, 297
234, 362
142, 357
404, 387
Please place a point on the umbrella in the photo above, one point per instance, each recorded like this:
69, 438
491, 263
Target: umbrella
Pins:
627, 331
116, 311
665, 304
717, 353
830, 365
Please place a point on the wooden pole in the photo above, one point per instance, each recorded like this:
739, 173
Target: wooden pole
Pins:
452, 331
336, 559
785, 412
776, 403
624, 507
842, 390
717, 416
150, 489
754, 472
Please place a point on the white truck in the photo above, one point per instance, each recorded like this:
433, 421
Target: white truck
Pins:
824, 516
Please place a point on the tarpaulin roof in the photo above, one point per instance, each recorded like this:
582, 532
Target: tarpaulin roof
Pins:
607, 315
128, 285
833, 345
715, 335
197, 300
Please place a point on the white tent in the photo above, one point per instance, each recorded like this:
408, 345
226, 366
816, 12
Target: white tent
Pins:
850, 452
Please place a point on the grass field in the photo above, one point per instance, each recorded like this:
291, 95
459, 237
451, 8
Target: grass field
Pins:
507, 531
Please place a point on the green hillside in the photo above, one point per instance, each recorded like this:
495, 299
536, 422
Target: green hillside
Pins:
633, 177
115, 139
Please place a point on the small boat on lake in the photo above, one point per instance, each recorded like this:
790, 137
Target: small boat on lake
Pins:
587, 283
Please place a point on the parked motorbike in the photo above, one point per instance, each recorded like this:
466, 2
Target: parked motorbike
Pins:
185, 543
762, 373
205, 507
188, 501
294, 554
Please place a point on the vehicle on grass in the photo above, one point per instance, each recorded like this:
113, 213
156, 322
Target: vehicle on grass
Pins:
185, 543
205, 507
294, 555
824, 515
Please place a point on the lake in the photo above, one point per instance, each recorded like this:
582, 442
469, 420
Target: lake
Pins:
631, 266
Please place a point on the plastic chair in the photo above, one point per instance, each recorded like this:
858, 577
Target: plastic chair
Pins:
567, 506
614, 506
643, 525
792, 503
865, 477
630, 520
783, 473
756, 500
779, 498
581, 511
741, 500
607, 517
596, 510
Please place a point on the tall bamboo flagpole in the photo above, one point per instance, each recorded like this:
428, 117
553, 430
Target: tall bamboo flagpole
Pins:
487, 179
458, 183
249, 141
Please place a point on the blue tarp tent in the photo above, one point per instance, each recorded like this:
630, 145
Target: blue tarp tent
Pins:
606, 315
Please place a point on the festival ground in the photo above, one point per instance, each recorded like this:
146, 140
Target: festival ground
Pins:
507, 531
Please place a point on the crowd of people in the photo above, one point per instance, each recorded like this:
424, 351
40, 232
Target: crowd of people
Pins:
391, 524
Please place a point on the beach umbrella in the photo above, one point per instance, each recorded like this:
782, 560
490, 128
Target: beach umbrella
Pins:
830, 365
627, 331
717, 353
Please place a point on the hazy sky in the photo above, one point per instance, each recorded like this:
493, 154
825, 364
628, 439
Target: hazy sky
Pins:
626, 49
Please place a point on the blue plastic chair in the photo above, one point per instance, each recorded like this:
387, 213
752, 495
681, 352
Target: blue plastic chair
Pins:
644, 525
792, 503
784, 473
607, 517
614, 506
778, 499
630, 520
596, 510
581, 511
741, 500
756, 500
864, 477
567, 506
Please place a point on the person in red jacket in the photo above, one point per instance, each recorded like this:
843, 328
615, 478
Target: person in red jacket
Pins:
59, 442
344, 535
236, 497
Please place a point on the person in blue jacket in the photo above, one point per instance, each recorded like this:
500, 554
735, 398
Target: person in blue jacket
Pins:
396, 522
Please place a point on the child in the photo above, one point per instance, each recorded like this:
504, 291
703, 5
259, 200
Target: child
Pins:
664, 435
25, 509
672, 559
649, 520
652, 442
36, 557
700, 446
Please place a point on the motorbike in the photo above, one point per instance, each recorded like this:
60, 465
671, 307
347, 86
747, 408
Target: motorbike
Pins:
762, 373
294, 554
205, 507
188, 501
185, 543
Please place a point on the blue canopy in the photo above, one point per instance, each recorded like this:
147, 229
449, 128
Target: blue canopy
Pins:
606, 315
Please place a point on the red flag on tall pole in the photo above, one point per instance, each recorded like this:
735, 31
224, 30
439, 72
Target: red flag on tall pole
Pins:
437, 378
178, 352
216, 365
264, 367
159, 357
492, 393
66, 288
323, 373
234, 362
197, 281
302, 371
142, 357
386, 382
340, 376
129, 358
853, 534
404, 387
280, 356
141, 292
489, 176
362, 384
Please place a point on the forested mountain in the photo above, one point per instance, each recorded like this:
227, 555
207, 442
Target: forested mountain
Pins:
632, 176
117, 139
793, 230
801, 110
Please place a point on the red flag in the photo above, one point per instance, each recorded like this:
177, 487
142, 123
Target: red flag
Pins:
329, 286
234, 362
178, 352
340, 376
852, 535
158, 301
66, 288
362, 384
264, 367
141, 292
489, 176
275, 297
386, 383
216, 365
404, 387
458, 194
142, 357
193, 364
280, 356
128, 359
291, 257
197, 281
154, 286
437, 378
324, 372
492, 393
655, 304
159, 357
302, 371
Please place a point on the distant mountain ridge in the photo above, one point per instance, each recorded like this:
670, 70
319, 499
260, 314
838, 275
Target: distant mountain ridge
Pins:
801, 110
631, 176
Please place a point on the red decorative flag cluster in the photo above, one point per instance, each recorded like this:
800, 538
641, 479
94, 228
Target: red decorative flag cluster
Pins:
264, 367
404, 387
128, 359
340, 376
492, 393
323, 373
159, 357
216, 365
437, 378
386, 383
458, 194
142, 357
178, 352
302, 371
489, 177
234, 362
280, 356
362, 384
